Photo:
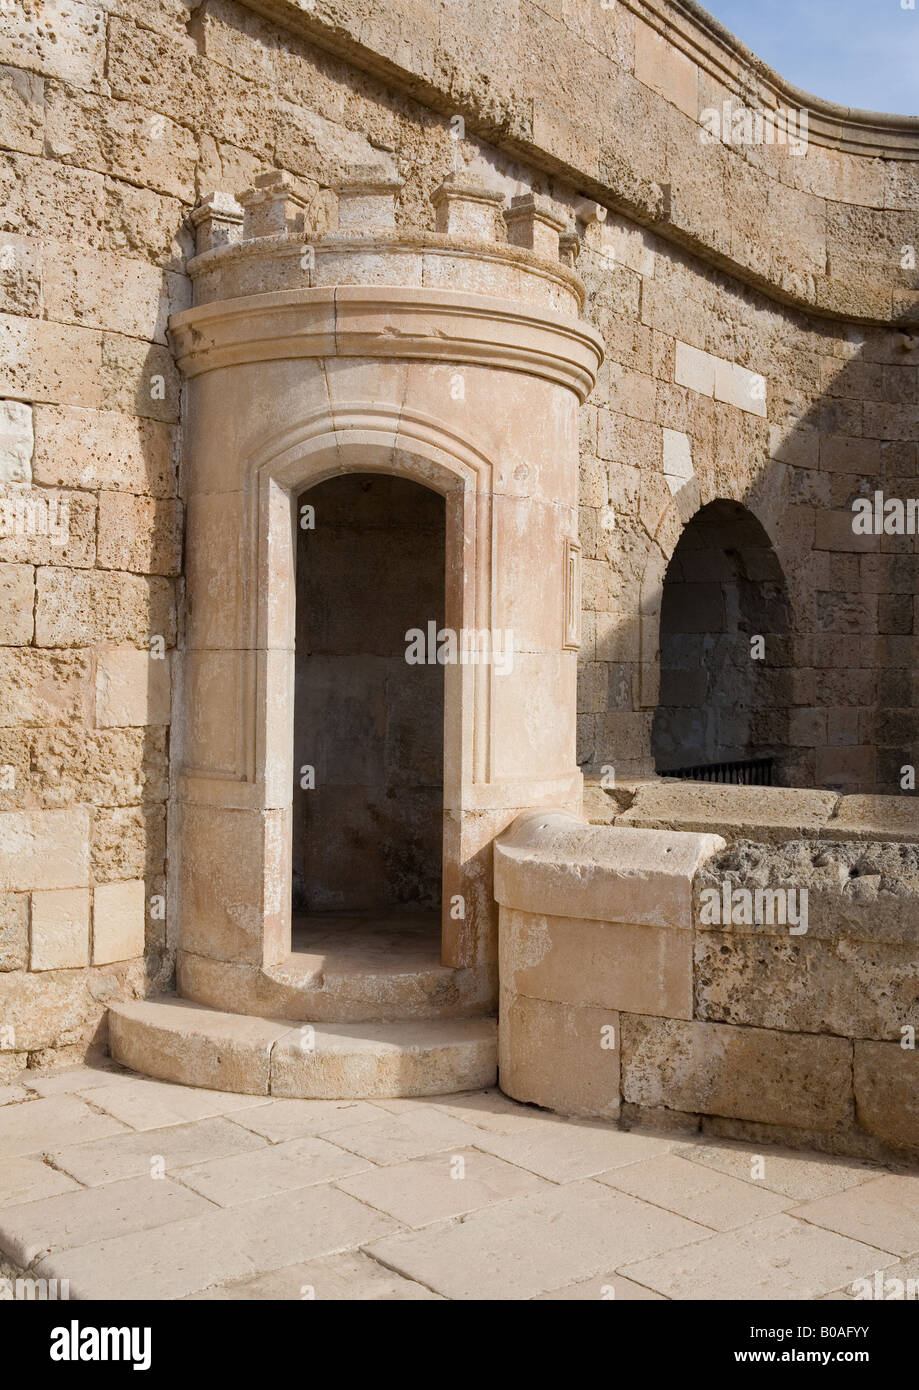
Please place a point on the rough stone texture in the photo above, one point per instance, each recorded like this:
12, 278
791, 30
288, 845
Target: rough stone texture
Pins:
887, 1093
746, 1073
857, 890
852, 989
771, 814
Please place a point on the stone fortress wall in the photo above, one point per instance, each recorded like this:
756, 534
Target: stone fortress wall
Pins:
761, 341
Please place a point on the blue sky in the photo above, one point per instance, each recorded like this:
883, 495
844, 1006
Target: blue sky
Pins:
862, 53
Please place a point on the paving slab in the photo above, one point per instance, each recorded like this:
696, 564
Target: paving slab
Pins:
777, 1258
605, 1288
70, 1219
270, 1170
702, 1194
802, 1176
568, 1150
29, 1179
134, 1153
79, 1078
292, 1119
50, 1122
143, 1103
441, 1185
350, 1276
396, 1138
226, 1243
884, 1213
490, 1110
134, 1188
533, 1244
9, 1095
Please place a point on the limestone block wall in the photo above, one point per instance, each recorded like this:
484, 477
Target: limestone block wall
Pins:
649, 985
717, 267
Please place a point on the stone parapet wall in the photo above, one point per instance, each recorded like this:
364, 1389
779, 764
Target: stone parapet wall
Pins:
767, 815
610, 98
651, 987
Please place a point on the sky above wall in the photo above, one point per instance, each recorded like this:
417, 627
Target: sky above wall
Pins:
862, 53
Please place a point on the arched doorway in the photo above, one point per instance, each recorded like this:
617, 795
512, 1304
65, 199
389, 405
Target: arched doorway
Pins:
724, 653
368, 723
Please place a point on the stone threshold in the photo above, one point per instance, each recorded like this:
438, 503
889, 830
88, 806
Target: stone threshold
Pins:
173, 1039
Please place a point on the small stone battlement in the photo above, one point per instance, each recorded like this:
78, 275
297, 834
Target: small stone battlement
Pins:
273, 237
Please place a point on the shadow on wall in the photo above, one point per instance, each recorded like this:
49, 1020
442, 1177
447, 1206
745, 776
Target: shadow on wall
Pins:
759, 537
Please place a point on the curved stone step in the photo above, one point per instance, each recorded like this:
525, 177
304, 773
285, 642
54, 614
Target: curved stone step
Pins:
175, 1040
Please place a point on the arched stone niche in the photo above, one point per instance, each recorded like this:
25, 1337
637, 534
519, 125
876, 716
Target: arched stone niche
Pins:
447, 358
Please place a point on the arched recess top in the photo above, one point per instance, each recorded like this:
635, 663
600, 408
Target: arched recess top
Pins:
372, 437
672, 527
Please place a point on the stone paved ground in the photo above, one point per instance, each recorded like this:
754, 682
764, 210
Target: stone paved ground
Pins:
133, 1188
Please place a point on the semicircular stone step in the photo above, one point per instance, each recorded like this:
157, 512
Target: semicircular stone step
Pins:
175, 1040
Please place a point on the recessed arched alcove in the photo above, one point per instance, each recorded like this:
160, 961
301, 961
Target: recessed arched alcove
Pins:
725, 671
368, 800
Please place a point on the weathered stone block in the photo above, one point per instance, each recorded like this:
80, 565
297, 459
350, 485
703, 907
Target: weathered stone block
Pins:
42, 361
551, 862
139, 534
76, 608
17, 604
63, 1009
129, 842
59, 937
20, 276
39, 688
851, 988
108, 767
117, 137
742, 1073
770, 814
17, 442
95, 289
138, 378
611, 965
887, 1092
562, 1056
855, 890
58, 39
22, 110
41, 526
14, 931
119, 921
132, 688
44, 849
102, 449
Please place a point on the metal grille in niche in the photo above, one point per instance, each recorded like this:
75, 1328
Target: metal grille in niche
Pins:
749, 772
